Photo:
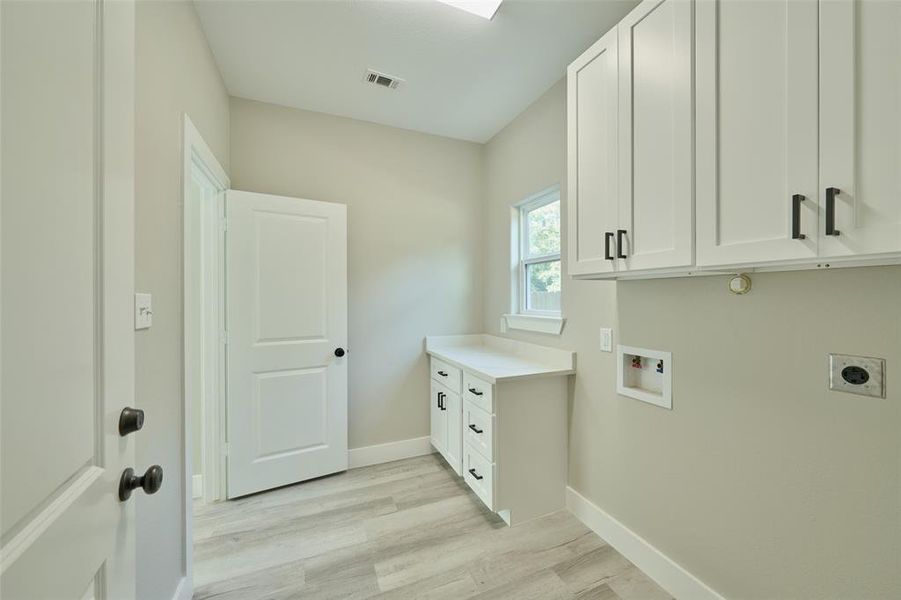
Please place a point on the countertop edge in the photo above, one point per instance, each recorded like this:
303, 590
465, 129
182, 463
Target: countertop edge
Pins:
550, 372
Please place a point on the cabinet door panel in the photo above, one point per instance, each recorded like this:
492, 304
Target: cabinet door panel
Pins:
592, 156
860, 125
454, 416
655, 135
438, 419
756, 129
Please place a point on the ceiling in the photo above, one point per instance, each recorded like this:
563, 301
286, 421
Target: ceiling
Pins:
465, 77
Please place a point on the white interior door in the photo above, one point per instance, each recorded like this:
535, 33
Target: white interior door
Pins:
860, 127
67, 299
286, 314
756, 110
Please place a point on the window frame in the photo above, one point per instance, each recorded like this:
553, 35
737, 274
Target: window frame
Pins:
525, 260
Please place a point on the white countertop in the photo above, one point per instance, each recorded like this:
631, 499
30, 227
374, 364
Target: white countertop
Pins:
497, 359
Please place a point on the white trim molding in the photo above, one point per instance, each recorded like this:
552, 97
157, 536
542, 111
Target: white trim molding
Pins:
184, 590
197, 486
382, 453
540, 324
654, 563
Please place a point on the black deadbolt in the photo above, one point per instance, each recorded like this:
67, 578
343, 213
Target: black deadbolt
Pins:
130, 420
150, 481
339, 352
855, 375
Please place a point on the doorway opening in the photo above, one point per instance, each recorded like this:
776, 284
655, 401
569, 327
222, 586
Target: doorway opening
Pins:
203, 198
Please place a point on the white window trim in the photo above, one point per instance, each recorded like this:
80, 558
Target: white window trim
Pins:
541, 321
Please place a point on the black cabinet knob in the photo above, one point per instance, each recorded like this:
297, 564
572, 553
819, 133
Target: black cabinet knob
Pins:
150, 481
130, 420
339, 352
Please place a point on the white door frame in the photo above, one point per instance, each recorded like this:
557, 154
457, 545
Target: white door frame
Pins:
197, 154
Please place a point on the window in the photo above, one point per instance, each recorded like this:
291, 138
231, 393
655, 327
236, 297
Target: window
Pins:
539, 255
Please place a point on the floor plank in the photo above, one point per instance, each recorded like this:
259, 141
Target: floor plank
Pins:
402, 530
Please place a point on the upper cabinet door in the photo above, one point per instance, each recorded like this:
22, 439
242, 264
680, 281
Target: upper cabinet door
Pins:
591, 88
656, 209
756, 131
860, 127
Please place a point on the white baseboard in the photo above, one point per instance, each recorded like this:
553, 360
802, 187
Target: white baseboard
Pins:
382, 453
197, 486
654, 563
183, 591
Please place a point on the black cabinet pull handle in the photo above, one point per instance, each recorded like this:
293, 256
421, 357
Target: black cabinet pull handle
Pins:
831, 193
150, 481
474, 428
442, 373
474, 392
620, 243
440, 398
797, 199
474, 474
608, 237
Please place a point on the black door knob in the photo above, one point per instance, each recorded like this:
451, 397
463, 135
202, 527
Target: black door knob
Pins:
339, 352
130, 420
150, 481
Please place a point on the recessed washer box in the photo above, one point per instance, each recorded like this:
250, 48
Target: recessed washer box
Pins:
645, 375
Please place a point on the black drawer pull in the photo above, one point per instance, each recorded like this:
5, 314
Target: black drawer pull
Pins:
442, 373
476, 475
831, 193
474, 428
474, 392
797, 199
441, 401
608, 237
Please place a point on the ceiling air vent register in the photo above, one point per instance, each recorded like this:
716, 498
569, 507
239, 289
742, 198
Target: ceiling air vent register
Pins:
382, 80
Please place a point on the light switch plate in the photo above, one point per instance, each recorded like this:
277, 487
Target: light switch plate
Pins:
606, 339
863, 375
143, 311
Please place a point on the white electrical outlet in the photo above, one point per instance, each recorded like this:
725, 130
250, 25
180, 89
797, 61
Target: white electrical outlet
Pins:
143, 311
606, 339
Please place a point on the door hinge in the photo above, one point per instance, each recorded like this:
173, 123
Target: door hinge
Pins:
223, 337
223, 225
225, 449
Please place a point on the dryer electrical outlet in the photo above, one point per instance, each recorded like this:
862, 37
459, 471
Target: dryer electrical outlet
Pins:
862, 375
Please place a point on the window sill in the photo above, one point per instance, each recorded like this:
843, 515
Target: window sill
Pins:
549, 325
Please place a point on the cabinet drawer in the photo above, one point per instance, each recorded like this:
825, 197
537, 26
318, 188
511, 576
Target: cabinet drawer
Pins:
478, 391
478, 472
478, 429
448, 375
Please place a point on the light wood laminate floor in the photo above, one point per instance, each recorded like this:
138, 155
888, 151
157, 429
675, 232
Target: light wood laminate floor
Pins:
407, 529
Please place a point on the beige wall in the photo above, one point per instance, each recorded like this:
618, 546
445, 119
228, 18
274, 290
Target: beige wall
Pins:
175, 74
760, 482
413, 243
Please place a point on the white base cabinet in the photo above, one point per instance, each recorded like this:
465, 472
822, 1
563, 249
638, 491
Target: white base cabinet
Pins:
512, 427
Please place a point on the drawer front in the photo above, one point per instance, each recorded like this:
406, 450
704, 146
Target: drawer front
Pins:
448, 375
478, 430
479, 392
478, 472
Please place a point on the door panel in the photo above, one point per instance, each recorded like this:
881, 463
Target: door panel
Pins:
67, 273
756, 129
860, 112
454, 415
286, 306
655, 136
438, 419
591, 82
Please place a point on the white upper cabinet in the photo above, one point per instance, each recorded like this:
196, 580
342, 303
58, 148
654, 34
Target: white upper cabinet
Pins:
591, 84
860, 127
756, 124
656, 216
717, 135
